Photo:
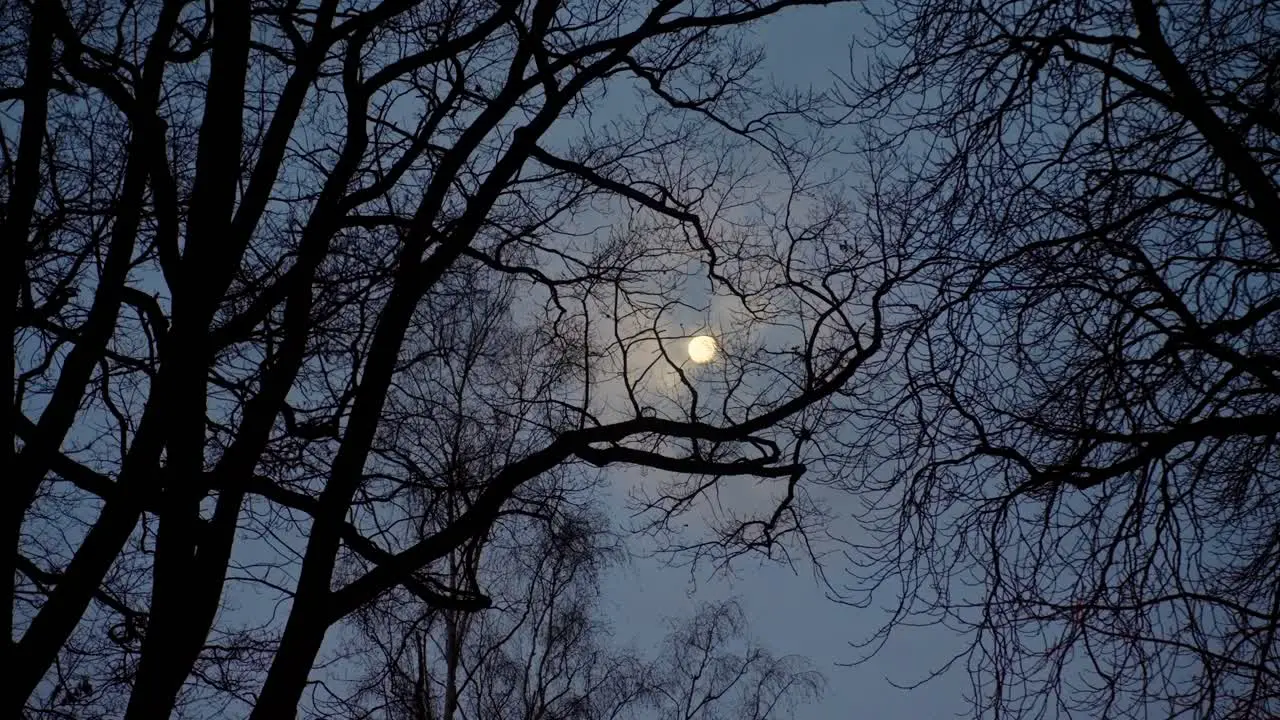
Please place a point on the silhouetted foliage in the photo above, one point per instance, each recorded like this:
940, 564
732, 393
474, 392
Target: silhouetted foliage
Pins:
543, 651
1080, 461
314, 299
332, 319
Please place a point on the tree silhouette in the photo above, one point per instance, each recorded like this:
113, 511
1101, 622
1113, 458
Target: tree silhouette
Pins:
283, 263
543, 652
1082, 467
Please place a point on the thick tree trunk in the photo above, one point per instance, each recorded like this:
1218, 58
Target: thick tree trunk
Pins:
56, 620
58, 617
185, 595
17, 226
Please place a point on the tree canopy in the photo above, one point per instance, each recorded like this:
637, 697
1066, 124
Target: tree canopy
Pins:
1083, 452
315, 297
333, 319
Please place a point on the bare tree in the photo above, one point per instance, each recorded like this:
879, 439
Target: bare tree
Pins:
699, 675
262, 244
1081, 465
535, 652
542, 651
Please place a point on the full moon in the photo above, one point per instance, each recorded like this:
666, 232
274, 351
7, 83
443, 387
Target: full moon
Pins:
702, 349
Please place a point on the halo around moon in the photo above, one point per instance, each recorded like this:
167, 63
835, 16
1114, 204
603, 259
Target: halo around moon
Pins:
702, 349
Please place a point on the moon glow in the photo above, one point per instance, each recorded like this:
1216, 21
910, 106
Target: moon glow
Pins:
702, 349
